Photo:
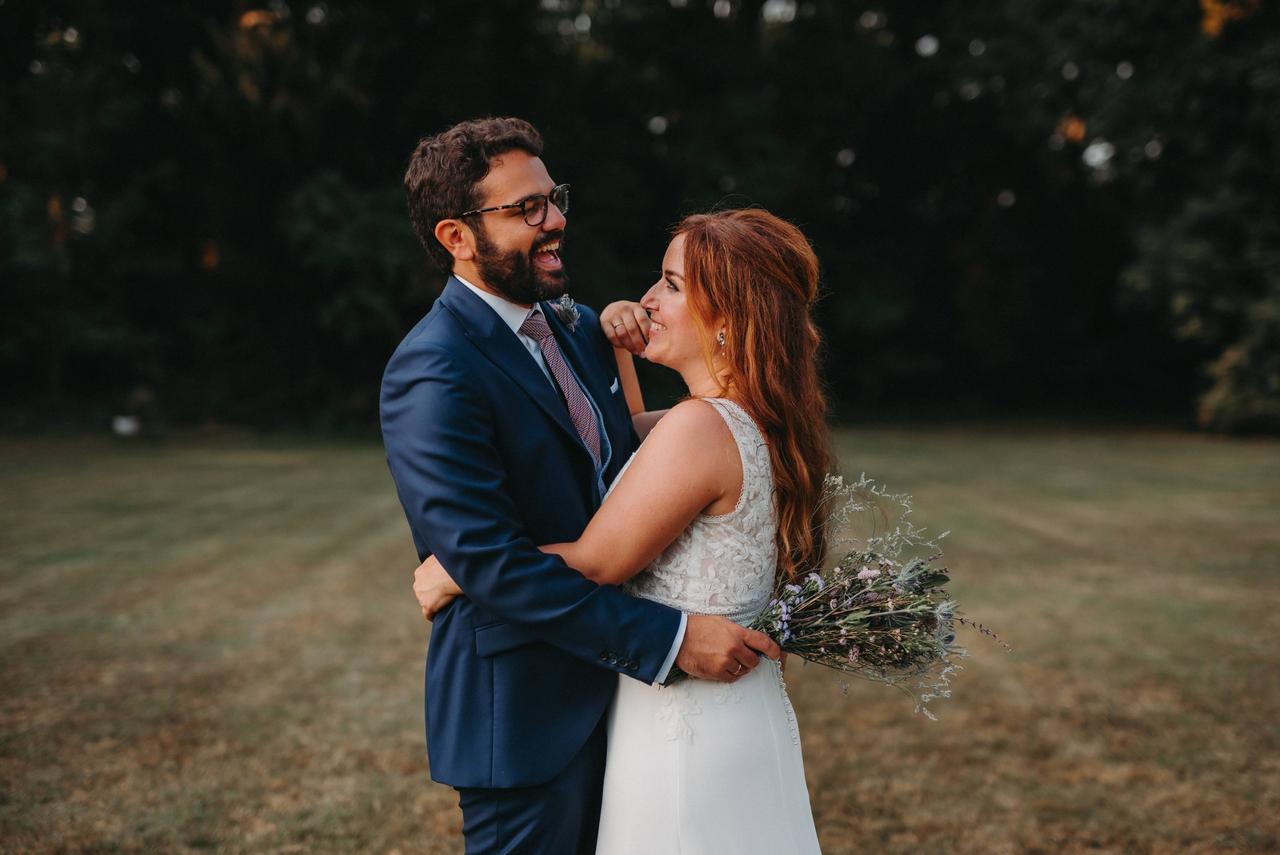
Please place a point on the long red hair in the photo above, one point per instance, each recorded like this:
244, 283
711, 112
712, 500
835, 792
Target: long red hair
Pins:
756, 277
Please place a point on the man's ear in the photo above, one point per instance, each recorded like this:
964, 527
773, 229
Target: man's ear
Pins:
457, 239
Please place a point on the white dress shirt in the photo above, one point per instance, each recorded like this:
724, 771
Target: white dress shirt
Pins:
514, 316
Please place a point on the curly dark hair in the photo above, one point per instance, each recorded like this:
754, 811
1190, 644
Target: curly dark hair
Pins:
446, 169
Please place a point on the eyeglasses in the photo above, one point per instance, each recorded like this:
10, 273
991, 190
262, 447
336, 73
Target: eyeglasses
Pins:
534, 208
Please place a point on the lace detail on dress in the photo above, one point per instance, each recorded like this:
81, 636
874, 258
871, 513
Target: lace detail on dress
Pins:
723, 564
675, 711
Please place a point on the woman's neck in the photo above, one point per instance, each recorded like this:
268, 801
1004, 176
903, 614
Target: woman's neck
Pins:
700, 383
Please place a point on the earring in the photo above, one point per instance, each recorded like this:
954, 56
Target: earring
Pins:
720, 338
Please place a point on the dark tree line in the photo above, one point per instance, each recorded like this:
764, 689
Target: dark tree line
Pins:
1019, 206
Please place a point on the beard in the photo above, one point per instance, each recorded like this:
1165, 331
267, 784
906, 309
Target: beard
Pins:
514, 275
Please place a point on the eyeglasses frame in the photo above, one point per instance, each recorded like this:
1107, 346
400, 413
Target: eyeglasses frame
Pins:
545, 197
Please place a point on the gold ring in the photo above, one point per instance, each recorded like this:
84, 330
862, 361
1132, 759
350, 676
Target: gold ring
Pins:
618, 324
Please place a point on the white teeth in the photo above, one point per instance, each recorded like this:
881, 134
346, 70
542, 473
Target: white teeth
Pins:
657, 326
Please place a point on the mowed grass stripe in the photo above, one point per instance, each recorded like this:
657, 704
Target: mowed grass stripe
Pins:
212, 644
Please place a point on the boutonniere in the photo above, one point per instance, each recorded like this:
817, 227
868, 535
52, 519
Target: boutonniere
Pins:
567, 311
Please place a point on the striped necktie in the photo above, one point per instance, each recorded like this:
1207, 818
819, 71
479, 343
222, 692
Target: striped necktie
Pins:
580, 411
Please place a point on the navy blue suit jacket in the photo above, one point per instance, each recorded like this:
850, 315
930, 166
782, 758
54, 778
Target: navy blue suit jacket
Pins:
488, 465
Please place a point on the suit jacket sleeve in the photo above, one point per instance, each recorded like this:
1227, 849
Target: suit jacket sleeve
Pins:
450, 477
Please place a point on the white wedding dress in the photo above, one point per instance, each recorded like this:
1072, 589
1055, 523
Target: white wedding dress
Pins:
704, 767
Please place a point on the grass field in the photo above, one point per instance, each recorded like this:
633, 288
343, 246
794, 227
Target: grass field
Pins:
211, 644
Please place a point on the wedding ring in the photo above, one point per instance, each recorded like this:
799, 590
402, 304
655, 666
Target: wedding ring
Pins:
618, 324
739, 671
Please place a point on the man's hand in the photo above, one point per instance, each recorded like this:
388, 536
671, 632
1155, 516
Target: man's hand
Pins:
716, 648
433, 587
626, 325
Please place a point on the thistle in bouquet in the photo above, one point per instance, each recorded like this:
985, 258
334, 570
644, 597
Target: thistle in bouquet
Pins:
880, 612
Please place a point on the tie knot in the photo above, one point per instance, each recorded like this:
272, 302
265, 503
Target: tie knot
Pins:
535, 327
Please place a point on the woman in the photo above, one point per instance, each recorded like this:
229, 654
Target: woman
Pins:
722, 496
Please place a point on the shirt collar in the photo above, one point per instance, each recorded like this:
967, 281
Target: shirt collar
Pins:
512, 314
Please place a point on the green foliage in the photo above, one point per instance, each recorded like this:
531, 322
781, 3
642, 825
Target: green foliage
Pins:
1212, 259
72, 207
353, 244
1014, 203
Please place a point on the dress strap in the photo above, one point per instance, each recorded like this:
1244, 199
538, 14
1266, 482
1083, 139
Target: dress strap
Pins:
741, 425
756, 472
738, 419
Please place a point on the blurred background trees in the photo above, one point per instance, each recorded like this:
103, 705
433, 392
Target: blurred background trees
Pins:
1020, 206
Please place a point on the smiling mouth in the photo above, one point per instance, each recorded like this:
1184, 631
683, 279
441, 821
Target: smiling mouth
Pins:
654, 326
548, 256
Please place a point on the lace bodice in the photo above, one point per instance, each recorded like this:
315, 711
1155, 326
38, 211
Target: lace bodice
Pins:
722, 564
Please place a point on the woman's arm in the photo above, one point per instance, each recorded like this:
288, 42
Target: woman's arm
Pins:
642, 421
630, 382
689, 465
626, 326
645, 422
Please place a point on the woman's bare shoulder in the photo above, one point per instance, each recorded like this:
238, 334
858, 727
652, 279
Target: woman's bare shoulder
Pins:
692, 420
696, 434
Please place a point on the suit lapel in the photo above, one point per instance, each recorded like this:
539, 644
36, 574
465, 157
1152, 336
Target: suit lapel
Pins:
573, 347
499, 345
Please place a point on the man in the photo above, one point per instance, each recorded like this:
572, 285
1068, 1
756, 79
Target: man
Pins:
504, 423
